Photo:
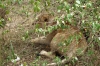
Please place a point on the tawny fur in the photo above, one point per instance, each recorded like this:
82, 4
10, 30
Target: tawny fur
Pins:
44, 19
58, 42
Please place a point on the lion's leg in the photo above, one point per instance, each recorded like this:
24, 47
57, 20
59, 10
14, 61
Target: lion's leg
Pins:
47, 54
64, 61
39, 40
44, 39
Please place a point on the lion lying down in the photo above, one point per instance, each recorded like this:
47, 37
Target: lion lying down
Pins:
68, 42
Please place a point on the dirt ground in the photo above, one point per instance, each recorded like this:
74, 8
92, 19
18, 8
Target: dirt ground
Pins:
17, 26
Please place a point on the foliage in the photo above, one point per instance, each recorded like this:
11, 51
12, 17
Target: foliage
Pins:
3, 12
85, 14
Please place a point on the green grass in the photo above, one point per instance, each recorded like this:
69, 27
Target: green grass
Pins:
85, 14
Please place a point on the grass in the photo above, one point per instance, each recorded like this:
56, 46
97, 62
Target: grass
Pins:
83, 14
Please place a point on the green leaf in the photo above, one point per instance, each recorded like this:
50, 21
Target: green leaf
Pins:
78, 2
90, 52
36, 9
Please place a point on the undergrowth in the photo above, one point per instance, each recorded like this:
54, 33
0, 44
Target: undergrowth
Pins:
84, 14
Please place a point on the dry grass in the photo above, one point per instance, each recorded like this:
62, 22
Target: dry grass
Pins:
16, 28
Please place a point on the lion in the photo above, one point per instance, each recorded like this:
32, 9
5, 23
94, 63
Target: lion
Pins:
68, 42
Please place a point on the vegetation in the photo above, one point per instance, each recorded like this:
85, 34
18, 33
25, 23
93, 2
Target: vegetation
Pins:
16, 17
